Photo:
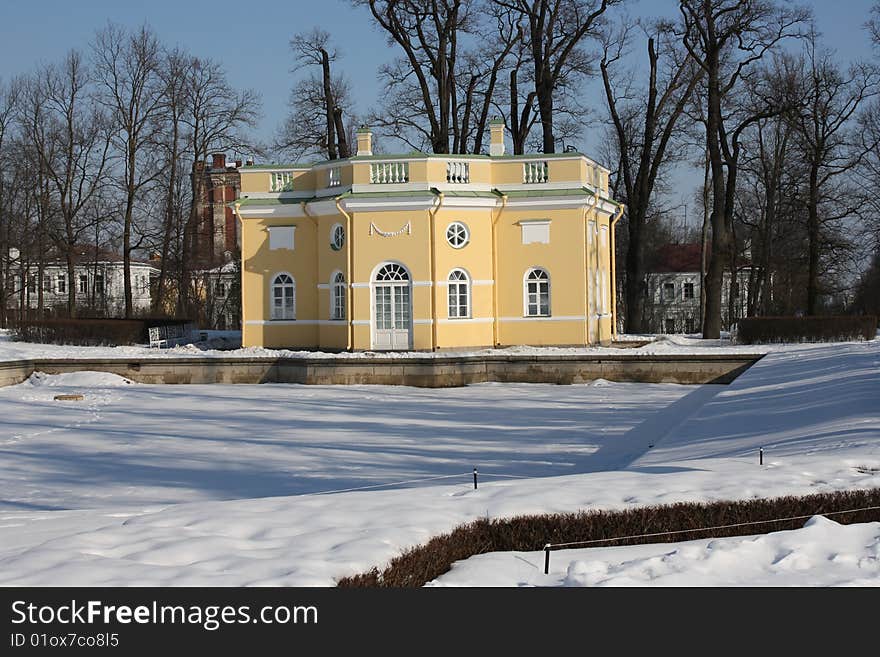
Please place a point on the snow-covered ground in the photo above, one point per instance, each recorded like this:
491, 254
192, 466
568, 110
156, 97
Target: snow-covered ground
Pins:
135, 484
823, 553
657, 345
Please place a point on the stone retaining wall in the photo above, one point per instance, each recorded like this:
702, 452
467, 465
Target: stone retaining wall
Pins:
442, 372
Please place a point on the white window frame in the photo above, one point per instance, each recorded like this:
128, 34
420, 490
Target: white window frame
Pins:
526, 294
454, 290
460, 228
82, 284
337, 230
684, 289
337, 296
282, 315
61, 283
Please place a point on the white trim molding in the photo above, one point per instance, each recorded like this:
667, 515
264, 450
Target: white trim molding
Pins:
466, 320
562, 318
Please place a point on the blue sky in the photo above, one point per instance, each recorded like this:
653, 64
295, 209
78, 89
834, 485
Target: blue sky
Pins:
251, 39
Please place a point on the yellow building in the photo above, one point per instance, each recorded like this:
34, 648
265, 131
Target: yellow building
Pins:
427, 252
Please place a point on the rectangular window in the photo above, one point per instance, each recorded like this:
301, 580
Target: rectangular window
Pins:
99, 284
458, 299
688, 290
690, 325
83, 287
538, 293
221, 289
61, 284
32, 284
668, 291
281, 237
281, 182
670, 326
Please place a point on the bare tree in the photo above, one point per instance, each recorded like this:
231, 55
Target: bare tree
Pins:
71, 139
726, 38
214, 115
318, 104
127, 70
8, 107
645, 125
169, 140
556, 31
831, 146
423, 82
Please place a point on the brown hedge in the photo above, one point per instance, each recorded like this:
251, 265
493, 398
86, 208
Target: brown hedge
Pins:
756, 330
88, 331
80, 331
424, 563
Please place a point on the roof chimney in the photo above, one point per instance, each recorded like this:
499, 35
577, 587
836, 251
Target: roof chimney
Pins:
218, 161
238, 163
249, 162
496, 132
365, 141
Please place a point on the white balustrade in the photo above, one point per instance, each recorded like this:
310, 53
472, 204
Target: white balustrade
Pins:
386, 173
334, 177
535, 172
458, 172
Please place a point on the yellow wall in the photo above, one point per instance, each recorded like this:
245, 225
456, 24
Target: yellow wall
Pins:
312, 262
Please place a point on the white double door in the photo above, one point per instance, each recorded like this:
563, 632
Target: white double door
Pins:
392, 316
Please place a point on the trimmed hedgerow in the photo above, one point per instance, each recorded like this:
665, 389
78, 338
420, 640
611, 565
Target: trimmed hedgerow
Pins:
424, 563
90, 332
756, 330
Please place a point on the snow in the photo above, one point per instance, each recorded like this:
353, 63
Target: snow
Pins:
218, 485
822, 553
220, 345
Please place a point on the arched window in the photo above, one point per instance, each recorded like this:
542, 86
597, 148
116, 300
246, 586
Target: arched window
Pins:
392, 272
283, 297
459, 294
337, 296
536, 293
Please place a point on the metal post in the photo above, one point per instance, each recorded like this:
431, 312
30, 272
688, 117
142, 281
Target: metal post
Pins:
475, 479
547, 559
761, 456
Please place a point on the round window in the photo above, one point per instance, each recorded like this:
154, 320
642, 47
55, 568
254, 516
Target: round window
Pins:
457, 235
337, 237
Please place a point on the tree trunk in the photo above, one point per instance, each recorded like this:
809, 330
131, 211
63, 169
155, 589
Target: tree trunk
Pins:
813, 237
344, 151
329, 105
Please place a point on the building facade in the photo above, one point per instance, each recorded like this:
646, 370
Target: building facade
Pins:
675, 289
98, 285
215, 238
427, 252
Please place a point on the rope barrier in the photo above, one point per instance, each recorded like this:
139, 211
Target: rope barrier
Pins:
549, 546
391, 483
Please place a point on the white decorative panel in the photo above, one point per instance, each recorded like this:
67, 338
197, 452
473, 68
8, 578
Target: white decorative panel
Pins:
281, 237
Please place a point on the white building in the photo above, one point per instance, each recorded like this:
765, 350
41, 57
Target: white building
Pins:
98, 282
674, 289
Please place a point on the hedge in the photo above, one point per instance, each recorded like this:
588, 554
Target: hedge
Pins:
424, 563
752, 330
89, 332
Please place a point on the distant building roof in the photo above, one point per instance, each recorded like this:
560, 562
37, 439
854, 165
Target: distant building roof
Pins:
676, 258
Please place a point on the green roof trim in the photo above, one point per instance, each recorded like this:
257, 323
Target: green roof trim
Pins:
544, 193
295, 165
252, 202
